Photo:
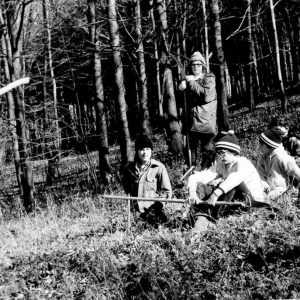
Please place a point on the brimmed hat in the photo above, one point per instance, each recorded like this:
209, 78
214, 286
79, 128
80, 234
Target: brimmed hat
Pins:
143, 141
272, 137
228, 141
197, 56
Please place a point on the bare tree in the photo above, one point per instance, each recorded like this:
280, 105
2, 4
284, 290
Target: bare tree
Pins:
222, 89
125, 143
12, 21
53, 138
170, 108
205, 34
279, 73
99, 94
157, 73
250, 63
142, 82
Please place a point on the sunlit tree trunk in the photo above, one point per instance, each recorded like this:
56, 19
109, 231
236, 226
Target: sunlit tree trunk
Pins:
53, 139
279, 73
11, 106
156, 56
125, 143
12, 21
250, 81
205, 34
104, 163
294, 46
170, 108
142, 86
221, 84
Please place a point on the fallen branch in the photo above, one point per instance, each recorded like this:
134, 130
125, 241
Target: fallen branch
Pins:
14, 84
182, 201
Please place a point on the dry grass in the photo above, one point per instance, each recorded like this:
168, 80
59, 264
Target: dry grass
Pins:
80, 247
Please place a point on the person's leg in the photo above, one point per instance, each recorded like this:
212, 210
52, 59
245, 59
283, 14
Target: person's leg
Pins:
211, 213
155, 214
200, 215
207, 150
194, 141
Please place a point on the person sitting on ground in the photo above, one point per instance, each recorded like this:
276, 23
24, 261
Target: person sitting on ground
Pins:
230, 177
277, 169
290, 139
148, 178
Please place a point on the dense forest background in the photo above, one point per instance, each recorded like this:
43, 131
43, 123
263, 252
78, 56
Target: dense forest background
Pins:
103, 71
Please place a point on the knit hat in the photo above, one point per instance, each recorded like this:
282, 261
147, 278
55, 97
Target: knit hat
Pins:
280, 130
143, 141
228, 141
272, 137
197, 56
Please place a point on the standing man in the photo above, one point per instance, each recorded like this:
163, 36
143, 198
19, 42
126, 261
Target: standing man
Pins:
202, 109
147, 177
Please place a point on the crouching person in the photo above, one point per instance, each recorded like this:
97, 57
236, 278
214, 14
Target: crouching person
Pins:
277, 169
231, 176
148, 178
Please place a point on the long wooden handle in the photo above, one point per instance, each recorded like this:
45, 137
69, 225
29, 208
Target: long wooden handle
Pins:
143, 199
14, 84
182, 201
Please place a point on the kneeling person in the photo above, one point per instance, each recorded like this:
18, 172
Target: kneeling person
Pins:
230, 174
148, 178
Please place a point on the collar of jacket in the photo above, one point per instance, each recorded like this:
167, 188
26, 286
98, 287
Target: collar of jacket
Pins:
151, 163
276, 151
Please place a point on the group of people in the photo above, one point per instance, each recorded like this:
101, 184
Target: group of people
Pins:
224, 174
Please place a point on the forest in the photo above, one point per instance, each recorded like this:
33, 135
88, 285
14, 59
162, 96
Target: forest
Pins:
100, 73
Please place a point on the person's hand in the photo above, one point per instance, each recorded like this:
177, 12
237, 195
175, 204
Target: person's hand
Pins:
182, 85
193, 199
212, 199
189, 78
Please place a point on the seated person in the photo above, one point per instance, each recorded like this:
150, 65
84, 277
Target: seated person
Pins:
148, 178
231, 174
277, 169
290, 140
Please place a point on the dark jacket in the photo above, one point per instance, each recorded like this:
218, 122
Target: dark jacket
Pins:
202, 104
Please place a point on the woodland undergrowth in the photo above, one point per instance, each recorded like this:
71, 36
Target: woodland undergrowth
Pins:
85, 247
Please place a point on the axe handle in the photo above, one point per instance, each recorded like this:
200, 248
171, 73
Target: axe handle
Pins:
143, 199
187, 172
182, 201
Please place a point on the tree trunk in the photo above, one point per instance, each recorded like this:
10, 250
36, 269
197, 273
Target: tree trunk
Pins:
205, 35
11, 105
104, 163
293, 47
157, 73
250, 62
142, 86
279, 73
125, 143
53, 139
12, 22
222, 92
170, 109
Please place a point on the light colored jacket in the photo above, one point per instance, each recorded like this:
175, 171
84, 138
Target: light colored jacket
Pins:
202, 104
277, 170
153, 183
241, 173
